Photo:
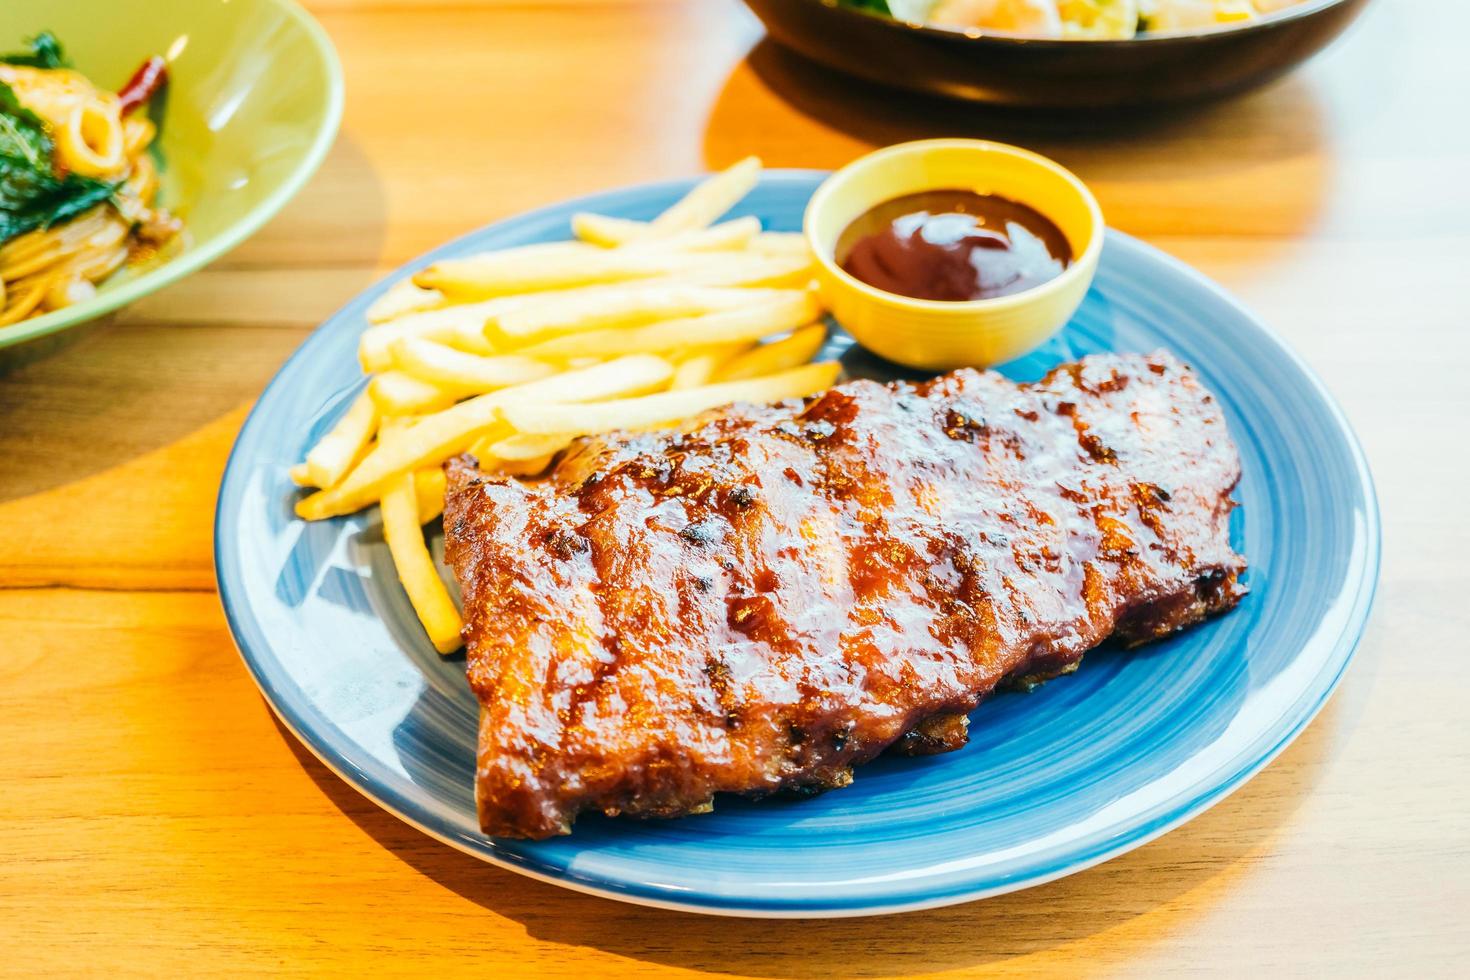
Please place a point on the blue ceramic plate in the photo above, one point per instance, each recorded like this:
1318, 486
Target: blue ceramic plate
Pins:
1085, 768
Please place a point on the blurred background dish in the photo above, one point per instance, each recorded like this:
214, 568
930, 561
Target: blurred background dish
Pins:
78, 179
1074, 72
1079, 19
252, 104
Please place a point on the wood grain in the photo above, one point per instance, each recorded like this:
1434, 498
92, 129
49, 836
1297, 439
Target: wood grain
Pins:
154, 819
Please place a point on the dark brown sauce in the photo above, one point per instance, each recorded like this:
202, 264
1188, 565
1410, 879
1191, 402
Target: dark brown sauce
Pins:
953, 245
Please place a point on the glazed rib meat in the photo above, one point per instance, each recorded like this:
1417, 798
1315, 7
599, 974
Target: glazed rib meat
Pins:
777, 594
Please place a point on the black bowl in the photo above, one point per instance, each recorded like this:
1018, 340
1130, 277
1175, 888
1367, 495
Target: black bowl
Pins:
1154, 69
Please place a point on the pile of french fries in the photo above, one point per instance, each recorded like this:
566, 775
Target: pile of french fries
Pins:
511, 355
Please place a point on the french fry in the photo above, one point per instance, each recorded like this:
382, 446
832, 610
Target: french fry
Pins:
455, 370
416, 570
428, 488
333, 455
525, 467
767, 271
394, 456
498, 274
396, 393
794, 309
709, 199
723, 351
535, 252
605, 231
300, 475
434, 438
696, 370
481, 447
515, 271
391, 425
780, 355
609, 232
603, 307
462, 326
780, 243
723, 237
401, 298
520, 448
666, 407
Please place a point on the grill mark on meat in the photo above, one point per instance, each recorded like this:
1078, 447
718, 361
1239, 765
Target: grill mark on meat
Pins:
780, 593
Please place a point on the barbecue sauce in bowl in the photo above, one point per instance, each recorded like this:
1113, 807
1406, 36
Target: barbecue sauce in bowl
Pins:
953, 245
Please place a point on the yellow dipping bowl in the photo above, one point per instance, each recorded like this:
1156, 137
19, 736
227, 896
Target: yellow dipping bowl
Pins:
935, 334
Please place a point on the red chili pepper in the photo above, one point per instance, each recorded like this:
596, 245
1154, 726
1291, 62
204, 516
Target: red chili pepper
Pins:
144, 84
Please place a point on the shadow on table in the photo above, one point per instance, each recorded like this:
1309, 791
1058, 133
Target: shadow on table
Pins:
1256, 164
178, 360
1208, 851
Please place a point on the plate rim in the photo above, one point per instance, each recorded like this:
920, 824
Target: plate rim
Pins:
1343, 647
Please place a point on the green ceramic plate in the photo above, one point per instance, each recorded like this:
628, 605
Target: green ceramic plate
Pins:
254, 99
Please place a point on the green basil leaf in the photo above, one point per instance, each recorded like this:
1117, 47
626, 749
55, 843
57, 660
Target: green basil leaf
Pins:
31, 194
22, 134
30, 199
45, 53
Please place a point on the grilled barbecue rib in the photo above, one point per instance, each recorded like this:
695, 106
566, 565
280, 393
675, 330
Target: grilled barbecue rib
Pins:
780, 593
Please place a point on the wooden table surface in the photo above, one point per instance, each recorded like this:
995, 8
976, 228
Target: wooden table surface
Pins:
153, 817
